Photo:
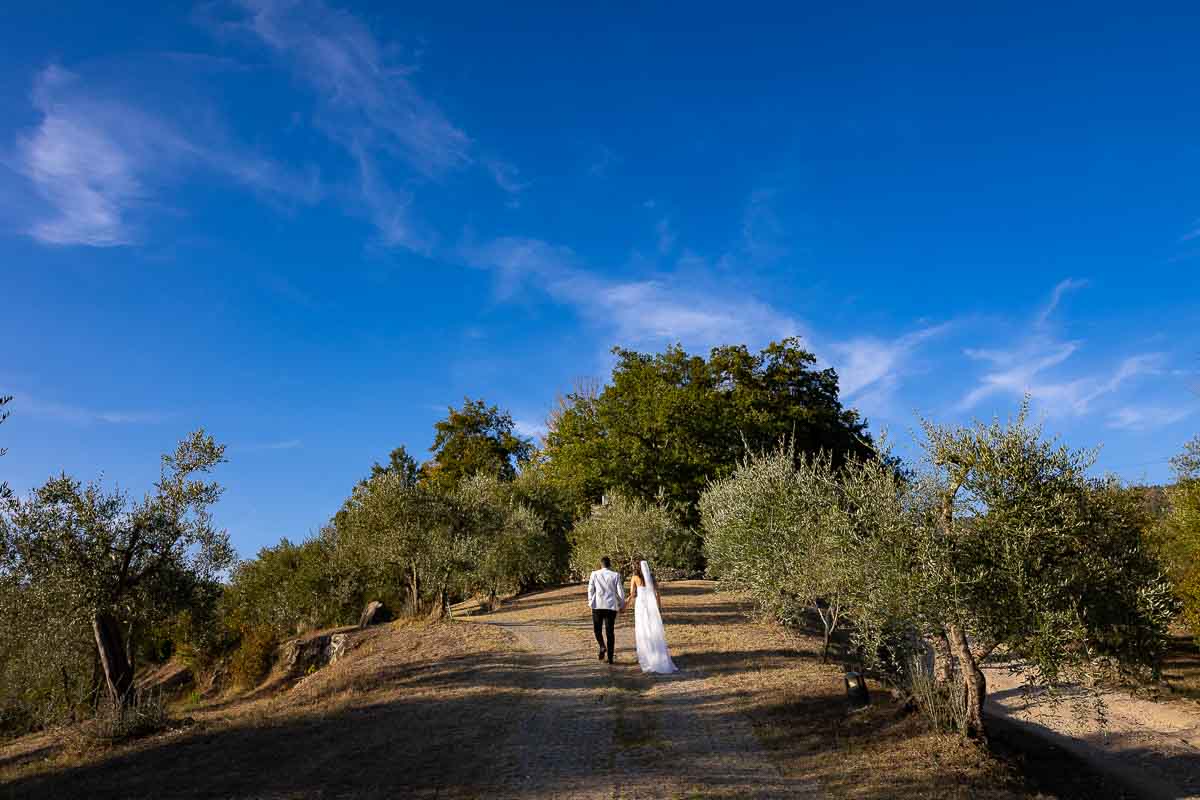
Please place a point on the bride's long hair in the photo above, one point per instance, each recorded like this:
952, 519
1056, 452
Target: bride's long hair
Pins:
648, 578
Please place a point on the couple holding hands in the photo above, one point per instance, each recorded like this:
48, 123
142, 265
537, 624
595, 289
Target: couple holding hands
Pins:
606, 597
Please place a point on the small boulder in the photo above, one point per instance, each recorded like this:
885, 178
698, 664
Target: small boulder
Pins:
338, 644
373, 614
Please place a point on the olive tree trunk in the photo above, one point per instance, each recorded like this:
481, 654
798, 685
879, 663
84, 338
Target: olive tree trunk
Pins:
415, 591
441, 605
942, 665
118, 671
974, 682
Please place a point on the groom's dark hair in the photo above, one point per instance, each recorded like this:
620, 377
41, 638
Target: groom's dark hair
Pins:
604, 562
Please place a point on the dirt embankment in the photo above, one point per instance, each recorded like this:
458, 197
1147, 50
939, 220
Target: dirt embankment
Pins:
1151, 746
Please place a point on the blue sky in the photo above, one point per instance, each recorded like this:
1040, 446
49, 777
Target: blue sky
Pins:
310, 227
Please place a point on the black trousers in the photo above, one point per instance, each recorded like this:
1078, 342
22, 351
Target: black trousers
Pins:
604, 617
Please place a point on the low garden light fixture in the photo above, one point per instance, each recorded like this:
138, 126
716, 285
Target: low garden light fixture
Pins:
856, 690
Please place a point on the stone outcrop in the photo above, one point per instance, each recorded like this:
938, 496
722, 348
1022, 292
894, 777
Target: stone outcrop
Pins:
299, 657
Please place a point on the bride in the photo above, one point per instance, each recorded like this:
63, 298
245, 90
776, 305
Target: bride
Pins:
652, 650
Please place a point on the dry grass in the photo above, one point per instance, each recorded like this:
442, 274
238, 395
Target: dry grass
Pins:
407, 697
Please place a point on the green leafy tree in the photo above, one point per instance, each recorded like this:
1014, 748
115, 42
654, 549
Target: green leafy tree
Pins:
115, 564
398, 530
670, 422
287, 588
476, 439
399, 463
554, 506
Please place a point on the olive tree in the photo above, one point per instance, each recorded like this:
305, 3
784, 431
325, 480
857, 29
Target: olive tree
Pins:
1024, 552
779, 530
1000, 541
401, 530
509, 546
114, 562
624, 529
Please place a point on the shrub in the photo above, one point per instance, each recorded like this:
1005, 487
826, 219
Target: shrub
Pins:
254, 656
114, 723
943, 703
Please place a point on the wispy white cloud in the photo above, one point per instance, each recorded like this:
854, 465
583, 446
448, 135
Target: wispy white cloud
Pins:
96, 160
764, 237
390, 209
285, 444
65, 412
1064, 286
1020, 372
602, 161
869, 363
530, 430
506, 176
1141, 418
1028, 367
635, 312
369, 103
666, 236
367, 95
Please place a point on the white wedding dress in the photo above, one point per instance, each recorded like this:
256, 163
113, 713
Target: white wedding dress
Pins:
651, 639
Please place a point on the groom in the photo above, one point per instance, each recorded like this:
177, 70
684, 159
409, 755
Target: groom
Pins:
606, 596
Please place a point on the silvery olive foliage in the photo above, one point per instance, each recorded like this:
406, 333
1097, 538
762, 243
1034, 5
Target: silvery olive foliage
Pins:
475, 537
1000, 541
779, 529
511, 550
72, 554
626, 529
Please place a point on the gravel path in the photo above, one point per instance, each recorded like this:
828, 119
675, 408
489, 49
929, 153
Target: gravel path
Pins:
1151, 746
600, 731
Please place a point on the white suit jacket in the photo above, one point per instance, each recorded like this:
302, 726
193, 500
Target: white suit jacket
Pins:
606, 590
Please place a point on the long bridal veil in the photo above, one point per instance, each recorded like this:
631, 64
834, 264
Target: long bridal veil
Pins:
652, 650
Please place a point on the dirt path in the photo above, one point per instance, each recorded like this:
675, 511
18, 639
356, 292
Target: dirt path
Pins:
1154, 747
601, 731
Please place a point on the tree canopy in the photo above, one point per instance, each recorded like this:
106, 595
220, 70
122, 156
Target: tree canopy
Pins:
999, 541
670, 422
476, 439
117, 564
